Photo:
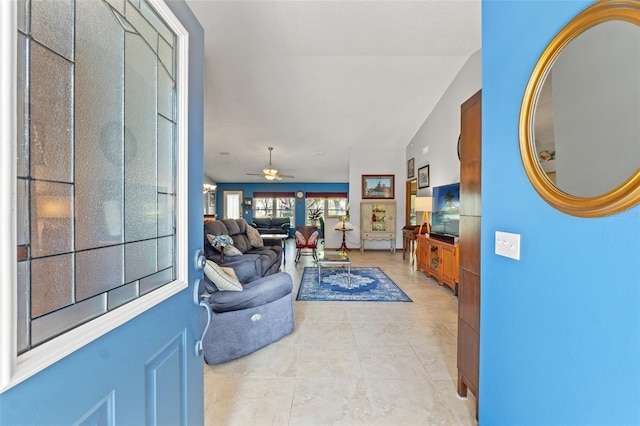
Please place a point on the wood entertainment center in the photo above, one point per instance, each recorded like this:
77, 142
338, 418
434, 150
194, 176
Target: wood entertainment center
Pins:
438, 259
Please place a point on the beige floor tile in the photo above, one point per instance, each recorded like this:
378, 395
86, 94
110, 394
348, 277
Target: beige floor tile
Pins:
322, 363
330, 402
328, 335
351, 363
276, 360
402, 402
390, 362
247, 401
378, 333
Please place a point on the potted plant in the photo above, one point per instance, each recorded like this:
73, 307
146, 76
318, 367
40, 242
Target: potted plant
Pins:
314, 215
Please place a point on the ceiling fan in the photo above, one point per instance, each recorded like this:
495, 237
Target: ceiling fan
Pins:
269, 172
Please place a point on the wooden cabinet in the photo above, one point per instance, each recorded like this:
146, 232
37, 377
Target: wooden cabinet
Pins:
378, 222
470, 213
438, 259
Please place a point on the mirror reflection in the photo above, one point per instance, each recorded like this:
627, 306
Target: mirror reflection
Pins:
586, 125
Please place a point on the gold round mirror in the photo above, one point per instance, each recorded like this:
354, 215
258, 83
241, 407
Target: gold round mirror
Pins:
580, 117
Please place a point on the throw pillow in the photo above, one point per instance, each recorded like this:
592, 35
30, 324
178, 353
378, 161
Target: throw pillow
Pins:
232, 251
222, 281
313, 238
230, 272
219, 248
300, 238
254, 237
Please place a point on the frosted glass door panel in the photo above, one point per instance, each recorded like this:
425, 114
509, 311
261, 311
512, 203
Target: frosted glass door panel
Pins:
99, 270
24, 312
165, 93
141, 259
50, 278
51, 218
166, 131
22, 212
22, 148
51, 113
95, 162
52, 25
140, 142
148, 33
99, 122
157, 23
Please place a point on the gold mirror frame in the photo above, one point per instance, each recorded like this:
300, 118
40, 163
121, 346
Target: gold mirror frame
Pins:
620, 198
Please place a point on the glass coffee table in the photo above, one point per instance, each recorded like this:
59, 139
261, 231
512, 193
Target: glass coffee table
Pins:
336, 258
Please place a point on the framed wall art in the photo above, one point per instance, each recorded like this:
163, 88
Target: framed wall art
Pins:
423, 177
411, 168
378, 187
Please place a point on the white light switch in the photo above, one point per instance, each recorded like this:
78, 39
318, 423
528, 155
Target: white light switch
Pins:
508, 244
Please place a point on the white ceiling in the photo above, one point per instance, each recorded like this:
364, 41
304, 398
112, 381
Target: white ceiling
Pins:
323, 76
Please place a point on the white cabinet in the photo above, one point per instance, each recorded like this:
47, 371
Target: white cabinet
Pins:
378, 222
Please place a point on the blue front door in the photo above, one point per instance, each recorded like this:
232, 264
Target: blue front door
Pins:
143, 370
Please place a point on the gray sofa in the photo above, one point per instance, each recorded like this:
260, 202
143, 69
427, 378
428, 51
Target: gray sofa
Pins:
268, 257
245, 321
272, 225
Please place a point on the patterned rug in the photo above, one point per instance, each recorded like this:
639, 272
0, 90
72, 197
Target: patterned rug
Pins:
367, 285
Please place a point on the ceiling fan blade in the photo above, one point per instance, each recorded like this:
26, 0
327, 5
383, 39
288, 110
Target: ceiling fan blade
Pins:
255, 174
286, 176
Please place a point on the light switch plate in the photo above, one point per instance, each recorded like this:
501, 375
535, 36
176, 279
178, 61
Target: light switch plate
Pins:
508, 244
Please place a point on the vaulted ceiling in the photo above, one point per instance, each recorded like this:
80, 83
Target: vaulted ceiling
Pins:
314, 78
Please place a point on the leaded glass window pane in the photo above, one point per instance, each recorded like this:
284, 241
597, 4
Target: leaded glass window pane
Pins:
96, 161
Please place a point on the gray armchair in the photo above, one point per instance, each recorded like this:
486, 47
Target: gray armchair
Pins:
245, 321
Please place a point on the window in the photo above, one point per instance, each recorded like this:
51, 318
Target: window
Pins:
330, 203
100, 173
274, 204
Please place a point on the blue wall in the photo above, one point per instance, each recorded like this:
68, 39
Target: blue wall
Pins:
250, 188
560, 329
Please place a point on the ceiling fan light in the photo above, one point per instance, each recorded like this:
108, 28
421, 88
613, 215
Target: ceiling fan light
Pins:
270, 177
270, 171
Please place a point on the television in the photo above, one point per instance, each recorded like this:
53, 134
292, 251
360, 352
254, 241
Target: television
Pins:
445, 214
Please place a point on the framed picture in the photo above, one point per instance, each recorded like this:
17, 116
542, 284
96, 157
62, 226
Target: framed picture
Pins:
411, 168
423, 177
248, 203
378, 187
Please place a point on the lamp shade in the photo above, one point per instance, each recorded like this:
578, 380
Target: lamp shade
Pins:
424, 204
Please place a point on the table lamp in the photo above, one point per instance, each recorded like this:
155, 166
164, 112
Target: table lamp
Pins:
424, 205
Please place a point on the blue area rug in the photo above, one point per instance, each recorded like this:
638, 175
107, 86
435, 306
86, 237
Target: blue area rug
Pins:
367, 285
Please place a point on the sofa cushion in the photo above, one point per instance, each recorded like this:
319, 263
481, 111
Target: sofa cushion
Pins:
241, 241
262, 222
254, 237
300, 240
257, 293
232, 251
232, 226
313, 238
222, 280
280, 222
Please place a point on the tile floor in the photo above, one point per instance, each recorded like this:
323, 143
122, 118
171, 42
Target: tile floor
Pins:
351, 363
